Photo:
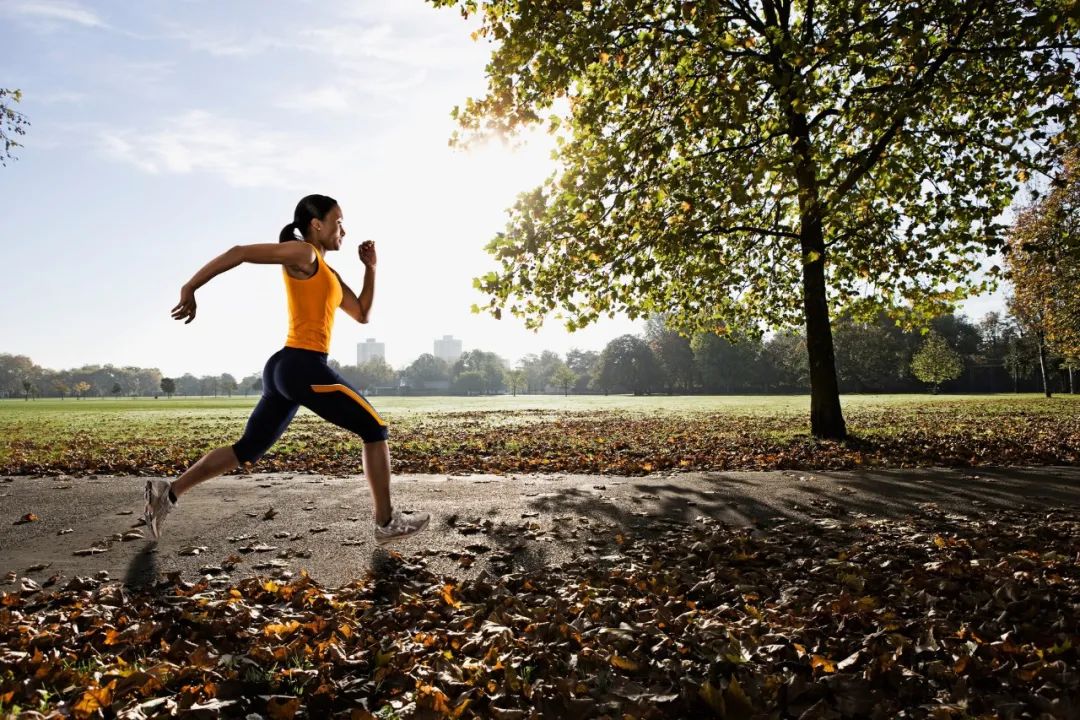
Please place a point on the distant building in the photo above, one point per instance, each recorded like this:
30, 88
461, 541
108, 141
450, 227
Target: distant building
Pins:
369, 350
448, 348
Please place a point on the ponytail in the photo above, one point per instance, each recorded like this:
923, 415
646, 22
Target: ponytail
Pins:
287, 233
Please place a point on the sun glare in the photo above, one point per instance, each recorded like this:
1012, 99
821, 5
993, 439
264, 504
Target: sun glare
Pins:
498, 168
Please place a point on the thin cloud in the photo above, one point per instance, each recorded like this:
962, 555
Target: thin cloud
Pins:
55, 11
227, 45
332, 99
61, 97
243, 154
355, 45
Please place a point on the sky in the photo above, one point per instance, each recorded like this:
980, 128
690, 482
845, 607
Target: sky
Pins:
166, 131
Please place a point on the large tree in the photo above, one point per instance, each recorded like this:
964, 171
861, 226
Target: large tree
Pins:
1043, 261
740, 163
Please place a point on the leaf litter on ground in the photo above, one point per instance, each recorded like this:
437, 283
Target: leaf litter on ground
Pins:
944, 434
937, 615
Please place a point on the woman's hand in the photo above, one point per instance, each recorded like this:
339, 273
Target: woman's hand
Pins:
186, 307
367, 253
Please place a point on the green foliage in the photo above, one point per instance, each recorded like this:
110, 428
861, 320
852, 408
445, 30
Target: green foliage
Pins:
757, 164
725, 363
935, 362
227, 384
427, 368
367, 376
168, 386
12, 123
515, 380
564, 378
539, 370
469, 382
693, 132
867, 353
673, 352
487, 366
628, 363
584, 364
785, 355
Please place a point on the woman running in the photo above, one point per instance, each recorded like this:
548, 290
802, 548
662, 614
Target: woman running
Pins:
298, 374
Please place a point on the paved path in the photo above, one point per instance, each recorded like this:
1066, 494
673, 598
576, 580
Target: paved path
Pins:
479, 523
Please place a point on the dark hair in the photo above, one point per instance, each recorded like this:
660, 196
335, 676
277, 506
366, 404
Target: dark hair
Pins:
312, 207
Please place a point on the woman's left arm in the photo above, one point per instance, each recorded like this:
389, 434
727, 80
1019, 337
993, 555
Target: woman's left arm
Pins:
358, 307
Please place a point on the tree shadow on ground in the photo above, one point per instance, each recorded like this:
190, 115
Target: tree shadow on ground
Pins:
648, 504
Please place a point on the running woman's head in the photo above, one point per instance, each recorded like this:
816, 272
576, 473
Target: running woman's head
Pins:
319, 220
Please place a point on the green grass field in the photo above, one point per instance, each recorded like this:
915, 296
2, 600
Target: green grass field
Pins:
616, 433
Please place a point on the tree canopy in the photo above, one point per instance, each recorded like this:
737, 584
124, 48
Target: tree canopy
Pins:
764, 163
935, 362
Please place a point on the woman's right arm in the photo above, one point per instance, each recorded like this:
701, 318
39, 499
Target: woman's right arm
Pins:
286, 253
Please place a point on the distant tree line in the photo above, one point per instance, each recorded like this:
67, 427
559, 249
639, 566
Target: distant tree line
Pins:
954, 355
996, 354
21, 377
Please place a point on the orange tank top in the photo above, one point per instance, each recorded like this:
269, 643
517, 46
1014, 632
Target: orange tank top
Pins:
312, 303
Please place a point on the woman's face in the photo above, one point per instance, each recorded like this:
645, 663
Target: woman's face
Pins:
330, 231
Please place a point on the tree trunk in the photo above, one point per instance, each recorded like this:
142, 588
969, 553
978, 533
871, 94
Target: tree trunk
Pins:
1072, 388
826, 418
1042, 364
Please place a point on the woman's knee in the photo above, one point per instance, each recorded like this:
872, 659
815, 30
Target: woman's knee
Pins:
248, 450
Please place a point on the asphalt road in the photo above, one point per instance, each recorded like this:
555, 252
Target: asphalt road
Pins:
225, 528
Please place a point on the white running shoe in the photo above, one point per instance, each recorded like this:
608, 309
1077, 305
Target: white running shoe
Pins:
400, 527
158, 505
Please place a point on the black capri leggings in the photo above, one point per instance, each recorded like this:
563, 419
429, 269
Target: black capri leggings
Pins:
294, 377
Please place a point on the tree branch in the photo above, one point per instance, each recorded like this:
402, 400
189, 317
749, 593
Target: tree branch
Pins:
808, 24
1008, 49
748, 16
732, 229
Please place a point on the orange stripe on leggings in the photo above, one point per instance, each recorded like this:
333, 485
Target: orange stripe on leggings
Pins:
351, 393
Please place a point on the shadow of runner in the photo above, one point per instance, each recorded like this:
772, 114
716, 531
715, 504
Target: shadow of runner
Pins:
142, 570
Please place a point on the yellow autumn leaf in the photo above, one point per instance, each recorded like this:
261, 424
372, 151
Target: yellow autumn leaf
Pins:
93, 700
281, 629
448, 596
